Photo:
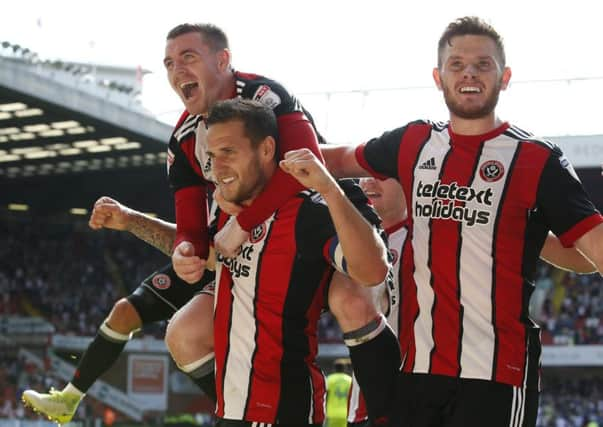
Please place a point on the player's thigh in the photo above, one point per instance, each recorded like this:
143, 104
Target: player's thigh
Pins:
193, 323
480, 403
163, 293
352, 305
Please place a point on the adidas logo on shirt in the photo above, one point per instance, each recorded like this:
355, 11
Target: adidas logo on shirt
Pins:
429, 164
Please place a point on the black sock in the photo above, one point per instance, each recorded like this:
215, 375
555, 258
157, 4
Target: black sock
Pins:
375, 354
202, 373
100, 355
207, 383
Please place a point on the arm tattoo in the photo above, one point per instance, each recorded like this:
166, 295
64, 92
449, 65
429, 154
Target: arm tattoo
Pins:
159, 234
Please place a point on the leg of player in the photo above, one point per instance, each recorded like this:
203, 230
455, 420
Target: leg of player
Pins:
190, 340
374, 348
103, 351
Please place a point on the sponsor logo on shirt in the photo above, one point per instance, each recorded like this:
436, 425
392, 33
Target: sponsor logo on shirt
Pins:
491, 171
239, 266
257, 233
455, 208
266, 96
161, 281
429, 164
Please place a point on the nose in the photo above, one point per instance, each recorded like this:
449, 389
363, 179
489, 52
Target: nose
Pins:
470, 70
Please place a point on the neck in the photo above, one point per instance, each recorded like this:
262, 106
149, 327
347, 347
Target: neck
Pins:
478, 126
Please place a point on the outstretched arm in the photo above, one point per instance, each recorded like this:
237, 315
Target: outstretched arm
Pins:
109, 213
341, 161
569, 259
591, 245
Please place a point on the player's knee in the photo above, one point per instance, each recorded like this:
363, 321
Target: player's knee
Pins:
124, 318
353, 307
189, 334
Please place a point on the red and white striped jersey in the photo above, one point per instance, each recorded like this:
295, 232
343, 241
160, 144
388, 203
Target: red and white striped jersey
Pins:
480, 208
396, 242
268, 302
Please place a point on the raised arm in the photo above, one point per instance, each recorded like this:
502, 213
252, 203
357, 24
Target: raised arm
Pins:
569, 259
109, 213
363, 249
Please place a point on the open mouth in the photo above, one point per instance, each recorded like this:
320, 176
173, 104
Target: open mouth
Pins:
470, 89
188, 89
226, 179
372, 194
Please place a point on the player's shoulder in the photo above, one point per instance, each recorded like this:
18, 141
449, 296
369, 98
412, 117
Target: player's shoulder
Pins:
262, 89
526, 137
186, 125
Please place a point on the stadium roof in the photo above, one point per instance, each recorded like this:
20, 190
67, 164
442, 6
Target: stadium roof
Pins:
64, 139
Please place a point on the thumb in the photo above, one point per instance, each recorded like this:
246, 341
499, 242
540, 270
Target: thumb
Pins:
187, 249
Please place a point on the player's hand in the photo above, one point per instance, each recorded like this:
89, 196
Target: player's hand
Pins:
225, 206
109, 213
187, 265
308, 170
230, 238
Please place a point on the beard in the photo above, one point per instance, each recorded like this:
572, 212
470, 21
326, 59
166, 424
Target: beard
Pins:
472, 111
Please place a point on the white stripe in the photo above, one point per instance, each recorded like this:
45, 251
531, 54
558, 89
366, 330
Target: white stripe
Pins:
352, 342
512, 415
437, 148
525, 384
311, 411
187, 125
242, 333
110, 333
354, 401
190, 367
338, 258
476, 267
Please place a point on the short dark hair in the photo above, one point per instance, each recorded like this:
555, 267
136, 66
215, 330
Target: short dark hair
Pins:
258, 120
473, 26
212, 35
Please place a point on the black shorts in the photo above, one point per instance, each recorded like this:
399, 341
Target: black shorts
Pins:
163, 293
435, 400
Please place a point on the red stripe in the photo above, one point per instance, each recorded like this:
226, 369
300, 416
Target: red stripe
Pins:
271, 291
359, 412
182, 118
188, 148
444, 260
509, 246
191, 218
569, 237
412, 142
222, 325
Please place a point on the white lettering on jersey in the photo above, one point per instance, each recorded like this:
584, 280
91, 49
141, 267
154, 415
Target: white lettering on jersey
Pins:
436, 208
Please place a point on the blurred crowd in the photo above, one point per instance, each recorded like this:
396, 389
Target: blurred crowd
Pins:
69, 274
568, 306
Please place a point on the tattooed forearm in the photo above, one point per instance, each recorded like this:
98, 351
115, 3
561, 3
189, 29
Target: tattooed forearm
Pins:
154, 231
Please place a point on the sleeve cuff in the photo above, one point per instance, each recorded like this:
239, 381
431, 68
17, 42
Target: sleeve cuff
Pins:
359, 153
570, 236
